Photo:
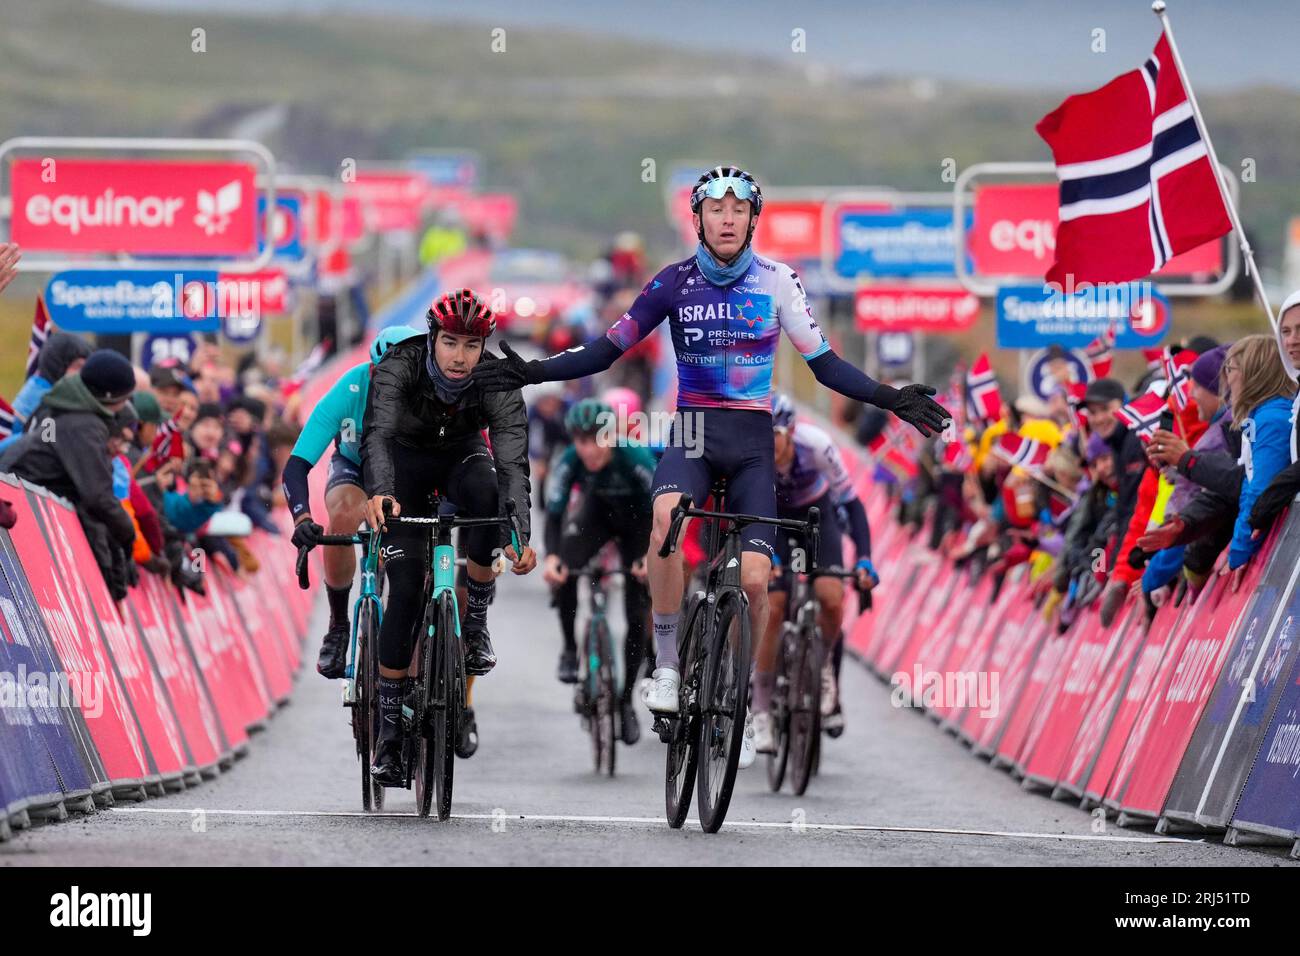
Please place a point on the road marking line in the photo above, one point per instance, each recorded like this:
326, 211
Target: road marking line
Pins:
659, 822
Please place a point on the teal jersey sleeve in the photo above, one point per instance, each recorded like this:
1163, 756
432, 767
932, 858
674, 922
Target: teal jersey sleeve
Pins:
338, 414
560, 480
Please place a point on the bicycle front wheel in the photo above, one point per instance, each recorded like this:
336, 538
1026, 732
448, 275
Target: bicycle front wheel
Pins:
365, 709
679, 774
449, 702
600, 683
805, 709
723, 703
780, 710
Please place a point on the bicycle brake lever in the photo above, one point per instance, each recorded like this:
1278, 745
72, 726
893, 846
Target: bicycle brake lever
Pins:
675, 527
304, 579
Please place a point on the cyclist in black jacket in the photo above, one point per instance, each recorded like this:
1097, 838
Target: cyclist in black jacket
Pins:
423, 429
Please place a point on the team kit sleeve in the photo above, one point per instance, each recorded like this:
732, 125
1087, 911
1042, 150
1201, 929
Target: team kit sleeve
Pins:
595, 355
508, 429
559, 486
338, 405
806, 335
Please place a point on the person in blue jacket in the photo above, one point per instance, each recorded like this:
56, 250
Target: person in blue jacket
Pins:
1260, 392
336, 418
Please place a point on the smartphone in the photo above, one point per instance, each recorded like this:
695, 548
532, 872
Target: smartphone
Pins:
1167, 420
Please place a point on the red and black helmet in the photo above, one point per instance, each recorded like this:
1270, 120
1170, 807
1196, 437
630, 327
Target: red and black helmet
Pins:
462, 313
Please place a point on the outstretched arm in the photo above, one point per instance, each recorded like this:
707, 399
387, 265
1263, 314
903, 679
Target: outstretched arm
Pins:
912, 403
593, 356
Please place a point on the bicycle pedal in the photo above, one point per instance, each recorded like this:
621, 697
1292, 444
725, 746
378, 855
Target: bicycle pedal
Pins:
664, 727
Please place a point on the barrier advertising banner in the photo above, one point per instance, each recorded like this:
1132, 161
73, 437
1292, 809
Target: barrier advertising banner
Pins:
45, 756
69, 620
1241, 706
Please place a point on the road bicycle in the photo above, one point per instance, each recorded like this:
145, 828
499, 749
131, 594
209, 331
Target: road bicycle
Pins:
715, 647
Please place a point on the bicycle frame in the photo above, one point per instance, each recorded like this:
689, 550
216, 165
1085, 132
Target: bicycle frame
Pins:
369, 592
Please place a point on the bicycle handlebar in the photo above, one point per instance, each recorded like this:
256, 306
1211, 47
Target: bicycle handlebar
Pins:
685, 508
511, 519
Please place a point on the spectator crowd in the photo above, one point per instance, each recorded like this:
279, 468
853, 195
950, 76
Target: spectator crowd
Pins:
1103, 490
168, 469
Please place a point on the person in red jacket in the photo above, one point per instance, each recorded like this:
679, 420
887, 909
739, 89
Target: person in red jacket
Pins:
1131, 559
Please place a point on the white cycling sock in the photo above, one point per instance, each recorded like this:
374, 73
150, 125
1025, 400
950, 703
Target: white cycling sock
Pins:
666, 640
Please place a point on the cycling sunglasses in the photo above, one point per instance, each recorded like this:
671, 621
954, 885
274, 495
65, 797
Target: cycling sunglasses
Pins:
717, 188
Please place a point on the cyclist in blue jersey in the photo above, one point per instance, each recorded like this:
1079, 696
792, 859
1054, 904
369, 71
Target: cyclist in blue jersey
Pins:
336, 418
726, 307
810, 472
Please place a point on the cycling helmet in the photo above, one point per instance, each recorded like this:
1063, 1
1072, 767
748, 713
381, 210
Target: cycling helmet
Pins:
715, 184
462, 313
782, 411
622, 400
389, 337
587, 416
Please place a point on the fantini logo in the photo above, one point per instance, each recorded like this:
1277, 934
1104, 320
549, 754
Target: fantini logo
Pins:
215, 208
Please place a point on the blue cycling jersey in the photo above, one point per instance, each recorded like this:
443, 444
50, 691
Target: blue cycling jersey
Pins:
725, 337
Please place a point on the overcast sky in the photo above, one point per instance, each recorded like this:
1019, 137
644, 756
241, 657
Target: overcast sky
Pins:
1008, 43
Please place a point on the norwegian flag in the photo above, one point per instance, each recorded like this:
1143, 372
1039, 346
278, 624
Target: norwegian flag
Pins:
1142, 415
957, 456
1074, 393
1022, 452
40, 332
1178, 373
7, 417
1101, 353
983, 400
1155, 358
1137, 185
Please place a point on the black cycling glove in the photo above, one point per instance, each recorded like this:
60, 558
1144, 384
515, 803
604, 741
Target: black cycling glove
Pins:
913, 404
510, 373
307, 534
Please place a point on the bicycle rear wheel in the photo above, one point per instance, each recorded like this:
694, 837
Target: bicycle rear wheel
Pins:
805, 709
723, 703
679, 775
780, 711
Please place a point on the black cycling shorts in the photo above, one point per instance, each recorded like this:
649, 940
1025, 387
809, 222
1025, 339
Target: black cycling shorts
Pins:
736, 444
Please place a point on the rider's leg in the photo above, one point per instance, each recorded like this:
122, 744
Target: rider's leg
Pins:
765, 655
585, 533
472, 485
830, 596
345, 502
346, 505
666, 584
676, 475
755, 572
